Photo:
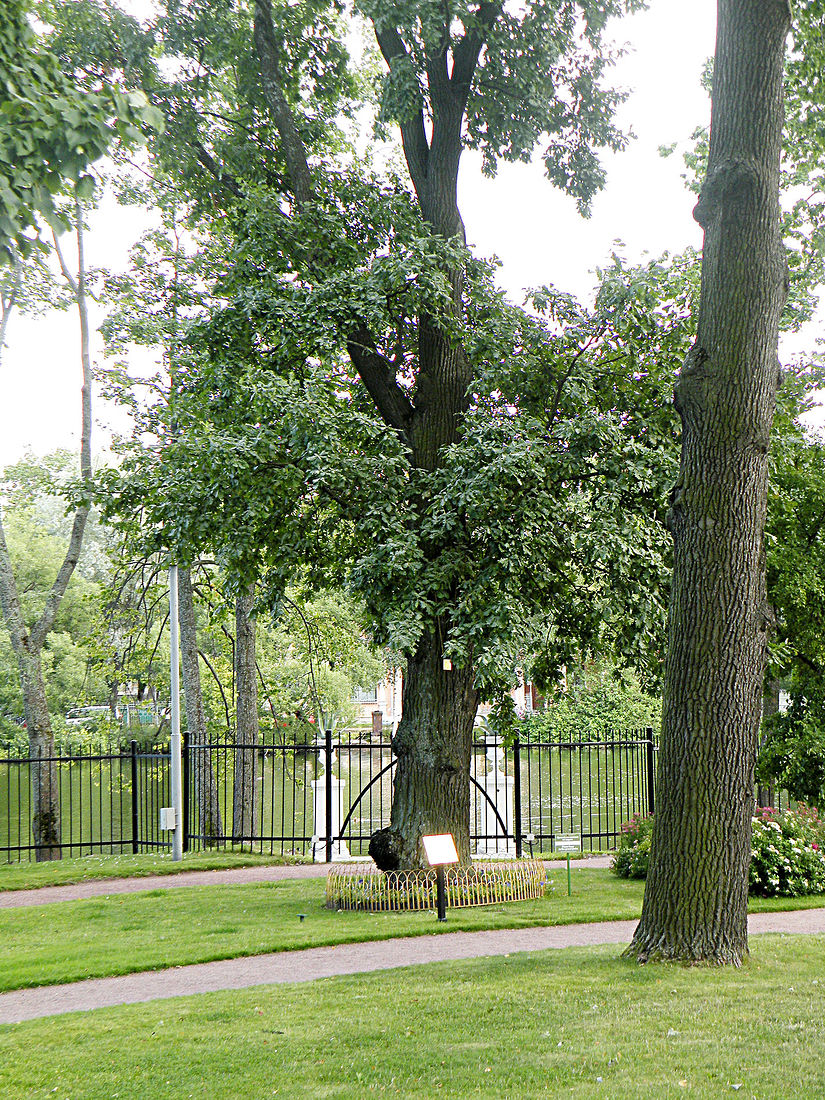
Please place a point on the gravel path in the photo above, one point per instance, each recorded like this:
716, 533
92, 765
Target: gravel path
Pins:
319, 962
326, 962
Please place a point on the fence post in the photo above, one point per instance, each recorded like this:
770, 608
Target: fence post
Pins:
134, 747
651, 770
517, 794
185, 763
328, 792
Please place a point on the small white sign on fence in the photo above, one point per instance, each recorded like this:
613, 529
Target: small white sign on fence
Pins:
568, 842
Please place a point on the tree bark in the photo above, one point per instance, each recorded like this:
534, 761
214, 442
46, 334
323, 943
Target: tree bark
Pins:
206, 789
244, 802
695, 905
27, 642
433, 744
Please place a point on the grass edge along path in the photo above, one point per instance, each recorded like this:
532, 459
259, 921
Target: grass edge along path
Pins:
64, 872
290, 967
581, 1023
159, 929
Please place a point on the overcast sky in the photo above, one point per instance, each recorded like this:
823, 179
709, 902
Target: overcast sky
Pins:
535, 231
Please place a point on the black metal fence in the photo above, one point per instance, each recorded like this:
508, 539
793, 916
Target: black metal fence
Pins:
523, 796
110, 798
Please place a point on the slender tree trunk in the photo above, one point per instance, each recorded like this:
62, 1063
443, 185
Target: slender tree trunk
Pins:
695, 906
45, 785
27, 642
206, 789
245, 804
433, 744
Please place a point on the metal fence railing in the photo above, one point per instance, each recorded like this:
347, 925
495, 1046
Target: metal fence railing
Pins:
522, 795
109, 798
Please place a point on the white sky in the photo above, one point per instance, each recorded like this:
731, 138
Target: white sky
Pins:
534, 230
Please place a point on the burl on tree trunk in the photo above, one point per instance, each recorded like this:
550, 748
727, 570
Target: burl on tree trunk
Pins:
431, 790
695, 905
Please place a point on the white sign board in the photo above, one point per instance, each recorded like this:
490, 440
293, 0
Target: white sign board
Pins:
440, 849
568, 842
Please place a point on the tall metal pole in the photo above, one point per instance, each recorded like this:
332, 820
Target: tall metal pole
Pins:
174, 662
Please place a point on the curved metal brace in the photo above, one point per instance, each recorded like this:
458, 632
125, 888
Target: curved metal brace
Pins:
369, 785
392, 764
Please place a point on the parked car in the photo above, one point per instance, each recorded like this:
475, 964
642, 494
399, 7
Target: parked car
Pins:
89, 716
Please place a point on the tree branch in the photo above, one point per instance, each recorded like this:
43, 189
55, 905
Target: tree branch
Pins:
468, 50
272, 82
413, 134
378, 376
391, 401
224, 178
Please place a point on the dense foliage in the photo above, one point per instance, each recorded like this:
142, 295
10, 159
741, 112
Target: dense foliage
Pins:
787, 852
51, 131
601, 699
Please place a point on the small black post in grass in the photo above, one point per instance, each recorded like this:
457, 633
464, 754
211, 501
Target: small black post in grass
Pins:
440, 849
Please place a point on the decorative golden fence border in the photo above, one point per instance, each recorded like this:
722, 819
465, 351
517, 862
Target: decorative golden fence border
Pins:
361, 886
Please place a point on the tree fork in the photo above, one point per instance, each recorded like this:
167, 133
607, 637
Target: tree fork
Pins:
695, 905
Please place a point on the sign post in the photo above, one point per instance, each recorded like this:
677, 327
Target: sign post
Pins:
440, 849
568, 842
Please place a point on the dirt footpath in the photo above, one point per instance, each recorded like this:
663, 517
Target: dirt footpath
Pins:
326, 962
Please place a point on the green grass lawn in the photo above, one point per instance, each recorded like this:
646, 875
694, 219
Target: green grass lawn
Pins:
580, 1022
124, 933
26, 876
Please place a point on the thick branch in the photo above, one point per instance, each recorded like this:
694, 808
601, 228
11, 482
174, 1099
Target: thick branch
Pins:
224, 178
272, 82
413, 135
468, 50
378, 376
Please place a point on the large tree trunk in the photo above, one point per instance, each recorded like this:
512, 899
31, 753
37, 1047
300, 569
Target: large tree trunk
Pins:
695, 905
431, 792
245, 804
206, 789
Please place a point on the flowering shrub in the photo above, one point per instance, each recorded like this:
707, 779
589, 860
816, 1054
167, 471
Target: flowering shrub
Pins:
787, 852
787, 855
633, 855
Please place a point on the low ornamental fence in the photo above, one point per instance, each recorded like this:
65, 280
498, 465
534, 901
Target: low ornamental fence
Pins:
522, 797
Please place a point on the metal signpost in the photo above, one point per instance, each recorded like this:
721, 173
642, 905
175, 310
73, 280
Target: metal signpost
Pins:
175, 764
440, 849
568, 842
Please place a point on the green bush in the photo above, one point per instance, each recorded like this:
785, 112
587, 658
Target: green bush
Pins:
787, 856
633, 855
787, 852
601, 700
